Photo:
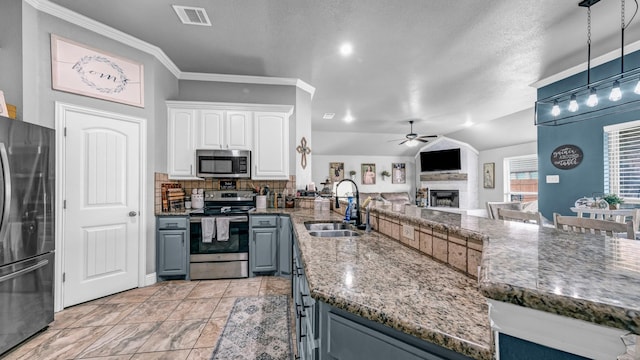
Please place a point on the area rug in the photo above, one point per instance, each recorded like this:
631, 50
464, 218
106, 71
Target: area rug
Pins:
257, 329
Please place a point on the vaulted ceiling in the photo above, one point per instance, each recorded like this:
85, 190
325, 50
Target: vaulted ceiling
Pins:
459, 68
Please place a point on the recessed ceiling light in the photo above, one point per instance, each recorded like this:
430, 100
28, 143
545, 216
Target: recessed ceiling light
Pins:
348, 118
346, 49
328, 116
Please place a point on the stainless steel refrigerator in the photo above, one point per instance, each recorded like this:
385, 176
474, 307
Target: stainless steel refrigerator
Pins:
27, 172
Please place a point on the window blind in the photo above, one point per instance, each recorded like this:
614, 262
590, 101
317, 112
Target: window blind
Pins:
622, 164
522, 172
528, 164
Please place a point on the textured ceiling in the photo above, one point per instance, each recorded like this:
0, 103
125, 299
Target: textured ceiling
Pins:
441, 62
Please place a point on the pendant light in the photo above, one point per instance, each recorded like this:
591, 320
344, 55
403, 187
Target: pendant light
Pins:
555, 110
616, 93
619, 87
592, 100
573, 104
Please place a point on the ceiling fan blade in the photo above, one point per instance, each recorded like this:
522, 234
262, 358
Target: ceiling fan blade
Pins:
422, 140
402, 142
427, 136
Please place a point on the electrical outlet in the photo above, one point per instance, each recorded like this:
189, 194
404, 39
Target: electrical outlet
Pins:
407, 231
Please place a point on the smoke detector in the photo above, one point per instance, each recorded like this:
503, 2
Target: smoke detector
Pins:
192, 15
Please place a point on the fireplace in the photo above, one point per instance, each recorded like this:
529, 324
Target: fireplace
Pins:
445, 198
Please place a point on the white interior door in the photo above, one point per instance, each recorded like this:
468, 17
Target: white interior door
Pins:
102, 185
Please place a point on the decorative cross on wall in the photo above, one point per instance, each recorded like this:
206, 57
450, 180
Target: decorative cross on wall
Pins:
304, 150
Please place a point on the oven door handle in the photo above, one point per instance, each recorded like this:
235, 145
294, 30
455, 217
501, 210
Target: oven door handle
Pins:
240, 218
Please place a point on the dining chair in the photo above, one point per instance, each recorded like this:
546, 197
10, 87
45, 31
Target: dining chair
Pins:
493, 206
594, 226
521, 216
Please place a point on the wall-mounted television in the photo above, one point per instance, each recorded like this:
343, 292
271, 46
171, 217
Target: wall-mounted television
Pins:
440, 160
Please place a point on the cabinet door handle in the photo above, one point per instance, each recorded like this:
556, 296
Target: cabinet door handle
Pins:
303, 304
300, 336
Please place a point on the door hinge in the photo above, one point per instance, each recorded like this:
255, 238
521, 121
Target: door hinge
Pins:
65, 131
64, 277
64, 204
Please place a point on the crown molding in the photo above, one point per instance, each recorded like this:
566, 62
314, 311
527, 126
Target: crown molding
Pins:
610, 56
72, 17
104, 30
248, 79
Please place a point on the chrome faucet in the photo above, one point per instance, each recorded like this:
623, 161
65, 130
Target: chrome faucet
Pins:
357, 195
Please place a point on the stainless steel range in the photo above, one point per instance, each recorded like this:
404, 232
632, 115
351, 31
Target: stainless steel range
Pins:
221, 250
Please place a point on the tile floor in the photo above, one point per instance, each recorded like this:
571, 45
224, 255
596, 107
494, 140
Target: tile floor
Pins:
173, 320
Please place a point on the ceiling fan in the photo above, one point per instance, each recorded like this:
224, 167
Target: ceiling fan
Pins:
412, 139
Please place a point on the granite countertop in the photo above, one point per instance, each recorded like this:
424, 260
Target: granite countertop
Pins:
588, 277
379, 279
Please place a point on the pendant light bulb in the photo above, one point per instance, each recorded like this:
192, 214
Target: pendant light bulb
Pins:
573, 104
555, 110
616, 93
593, 98
411, 143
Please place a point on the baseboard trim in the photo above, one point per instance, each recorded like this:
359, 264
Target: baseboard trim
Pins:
150, 279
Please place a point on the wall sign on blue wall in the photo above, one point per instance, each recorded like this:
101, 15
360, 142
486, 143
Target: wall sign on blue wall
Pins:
566, 157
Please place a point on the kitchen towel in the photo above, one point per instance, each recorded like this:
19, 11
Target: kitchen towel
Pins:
208, 229
222, 228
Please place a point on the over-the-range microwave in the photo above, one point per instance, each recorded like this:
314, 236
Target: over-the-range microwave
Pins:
223, 163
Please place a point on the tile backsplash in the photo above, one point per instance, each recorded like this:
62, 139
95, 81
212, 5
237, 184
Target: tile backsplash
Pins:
214, 184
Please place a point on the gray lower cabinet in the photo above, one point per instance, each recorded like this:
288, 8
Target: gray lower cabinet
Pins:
270, 245
284, 246
263, 244
306, 311
328, 333
172, 246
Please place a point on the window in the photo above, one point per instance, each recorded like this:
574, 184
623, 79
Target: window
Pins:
622, 160
521, 182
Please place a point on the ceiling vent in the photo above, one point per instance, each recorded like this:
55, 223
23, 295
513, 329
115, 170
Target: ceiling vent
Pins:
192, 15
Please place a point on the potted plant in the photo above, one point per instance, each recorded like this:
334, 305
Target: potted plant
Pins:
353, 174
613, 200
384, 173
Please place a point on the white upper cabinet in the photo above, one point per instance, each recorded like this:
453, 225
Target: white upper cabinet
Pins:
180, 143
221, 129
238, 130
271, 146
263, 129
210, 129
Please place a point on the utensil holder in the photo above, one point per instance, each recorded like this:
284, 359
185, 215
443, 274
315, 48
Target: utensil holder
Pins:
261, 201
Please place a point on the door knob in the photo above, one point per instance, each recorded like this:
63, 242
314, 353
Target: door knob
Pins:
132, 213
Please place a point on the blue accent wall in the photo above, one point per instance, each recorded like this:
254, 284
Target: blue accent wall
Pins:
588, 177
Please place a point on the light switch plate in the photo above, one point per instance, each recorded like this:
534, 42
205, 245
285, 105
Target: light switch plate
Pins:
407, 231
553, 179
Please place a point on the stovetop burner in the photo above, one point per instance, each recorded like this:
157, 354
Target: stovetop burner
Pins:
219, 212
226, 203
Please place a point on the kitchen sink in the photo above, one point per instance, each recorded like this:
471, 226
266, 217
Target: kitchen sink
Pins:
326, 225
330, 229
333, 233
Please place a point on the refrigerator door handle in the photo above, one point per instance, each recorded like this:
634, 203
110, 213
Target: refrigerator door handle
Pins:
23, 271
6, 174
